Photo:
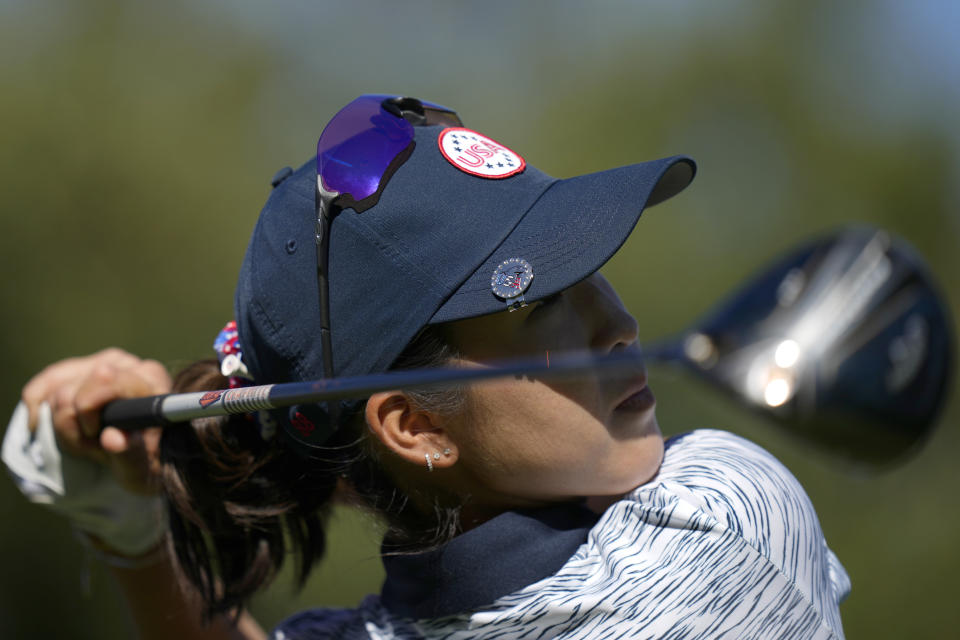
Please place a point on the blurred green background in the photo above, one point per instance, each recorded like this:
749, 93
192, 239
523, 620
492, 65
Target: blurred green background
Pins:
137, 141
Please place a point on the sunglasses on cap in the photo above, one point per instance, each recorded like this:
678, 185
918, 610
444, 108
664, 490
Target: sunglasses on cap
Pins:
358, 152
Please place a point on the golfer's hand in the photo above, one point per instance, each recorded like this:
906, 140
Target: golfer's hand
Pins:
78, 388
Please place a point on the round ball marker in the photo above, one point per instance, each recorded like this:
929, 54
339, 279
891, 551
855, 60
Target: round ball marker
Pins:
510, 279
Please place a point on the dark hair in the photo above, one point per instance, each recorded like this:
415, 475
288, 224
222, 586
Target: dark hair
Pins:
237, 504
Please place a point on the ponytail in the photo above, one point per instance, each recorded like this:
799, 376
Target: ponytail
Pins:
239, 505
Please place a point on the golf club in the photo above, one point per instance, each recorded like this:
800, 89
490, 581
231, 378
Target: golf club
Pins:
845, 342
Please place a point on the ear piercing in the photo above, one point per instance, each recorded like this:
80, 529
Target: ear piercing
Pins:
436, 456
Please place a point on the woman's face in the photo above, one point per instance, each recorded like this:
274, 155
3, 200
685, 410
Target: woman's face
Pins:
525, 442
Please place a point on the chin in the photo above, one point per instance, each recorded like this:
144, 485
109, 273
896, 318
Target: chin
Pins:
645, 459
641, 468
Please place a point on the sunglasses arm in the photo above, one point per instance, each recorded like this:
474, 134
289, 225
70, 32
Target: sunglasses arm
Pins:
326, 210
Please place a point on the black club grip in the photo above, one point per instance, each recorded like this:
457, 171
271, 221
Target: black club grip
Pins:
133, 413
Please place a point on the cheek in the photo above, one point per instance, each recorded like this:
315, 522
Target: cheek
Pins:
517, 425
527, 440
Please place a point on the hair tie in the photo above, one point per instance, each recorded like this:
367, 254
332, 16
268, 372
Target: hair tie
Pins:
232, 367
230, 355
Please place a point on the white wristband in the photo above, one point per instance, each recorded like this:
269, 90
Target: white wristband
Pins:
85, 492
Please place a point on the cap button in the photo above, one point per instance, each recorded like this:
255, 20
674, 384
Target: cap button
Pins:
280, 176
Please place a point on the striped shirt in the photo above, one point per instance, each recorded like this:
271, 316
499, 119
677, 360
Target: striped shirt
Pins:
722, 543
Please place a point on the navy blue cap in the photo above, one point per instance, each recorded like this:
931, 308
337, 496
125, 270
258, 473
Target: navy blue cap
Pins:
425, 254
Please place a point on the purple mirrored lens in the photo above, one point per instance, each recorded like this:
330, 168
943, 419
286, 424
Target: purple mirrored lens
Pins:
358, 145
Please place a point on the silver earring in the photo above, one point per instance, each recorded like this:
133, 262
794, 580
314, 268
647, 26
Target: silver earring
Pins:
436, 456
446, 451
429, 462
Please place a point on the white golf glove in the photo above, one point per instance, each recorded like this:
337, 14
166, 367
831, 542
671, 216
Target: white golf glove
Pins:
85, 492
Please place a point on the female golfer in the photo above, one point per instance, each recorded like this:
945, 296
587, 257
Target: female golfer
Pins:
518, 508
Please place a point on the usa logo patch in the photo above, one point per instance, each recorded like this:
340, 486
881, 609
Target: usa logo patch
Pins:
478, 155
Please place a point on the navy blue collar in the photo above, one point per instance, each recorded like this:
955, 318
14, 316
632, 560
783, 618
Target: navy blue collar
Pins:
504, 554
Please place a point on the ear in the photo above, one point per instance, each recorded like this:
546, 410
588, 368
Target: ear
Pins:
409, 432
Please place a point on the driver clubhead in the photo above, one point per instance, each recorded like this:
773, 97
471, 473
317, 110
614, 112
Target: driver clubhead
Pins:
846, 342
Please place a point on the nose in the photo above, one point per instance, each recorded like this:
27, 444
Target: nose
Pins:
613, 327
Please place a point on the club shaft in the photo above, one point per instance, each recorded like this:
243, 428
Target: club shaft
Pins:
138, 413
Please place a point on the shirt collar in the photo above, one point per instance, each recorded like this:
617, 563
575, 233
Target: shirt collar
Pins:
503, 555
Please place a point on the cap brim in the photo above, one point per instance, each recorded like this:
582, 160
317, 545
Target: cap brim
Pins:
571, 231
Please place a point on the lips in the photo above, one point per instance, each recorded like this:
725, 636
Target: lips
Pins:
637, 396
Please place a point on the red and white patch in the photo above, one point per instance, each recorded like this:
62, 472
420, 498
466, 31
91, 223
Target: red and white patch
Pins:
478, 155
